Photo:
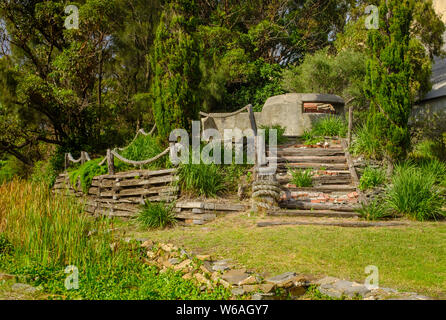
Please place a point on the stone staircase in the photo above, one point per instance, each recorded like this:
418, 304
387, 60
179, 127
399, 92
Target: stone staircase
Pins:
334, 192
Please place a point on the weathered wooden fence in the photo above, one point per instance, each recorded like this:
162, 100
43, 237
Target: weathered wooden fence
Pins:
122, 194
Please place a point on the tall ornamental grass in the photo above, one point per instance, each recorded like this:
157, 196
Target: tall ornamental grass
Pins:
414, 192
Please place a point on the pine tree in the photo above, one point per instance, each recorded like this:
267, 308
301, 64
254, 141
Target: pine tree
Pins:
177, 73
389, 72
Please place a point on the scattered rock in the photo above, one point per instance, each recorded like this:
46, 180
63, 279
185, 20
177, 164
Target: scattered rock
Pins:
238, 291
248, 281
174, 261
183, 265
148, 244
263, 296
24, 288
203, 257
235, 277
187, 276
284, 280
151, 254
202, 279
326, 280
5, 276
267, 287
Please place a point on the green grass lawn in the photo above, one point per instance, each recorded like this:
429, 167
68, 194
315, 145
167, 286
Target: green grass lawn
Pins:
409, 258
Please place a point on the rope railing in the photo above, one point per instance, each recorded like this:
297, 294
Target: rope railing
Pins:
69, 158
139, 132
226, 115
140, 163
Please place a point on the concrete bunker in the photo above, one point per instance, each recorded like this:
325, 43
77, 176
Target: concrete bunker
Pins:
295, 111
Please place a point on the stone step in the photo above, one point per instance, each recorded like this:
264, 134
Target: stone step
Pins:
306, 205
310, 159
281, 152
321, 180
313, 213
325, 188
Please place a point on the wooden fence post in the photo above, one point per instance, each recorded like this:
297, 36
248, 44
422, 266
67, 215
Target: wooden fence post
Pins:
110, 162
66, 161
83, 157
252, 120
350, 125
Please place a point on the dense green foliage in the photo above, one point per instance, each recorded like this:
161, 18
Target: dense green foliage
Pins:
389, 72
332, 126
366, 143
372, 177
301, 178
414, 192
201, 179
157, 215
85, 174
50, 233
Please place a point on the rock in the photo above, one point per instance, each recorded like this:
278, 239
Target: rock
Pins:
235, 277
284, 280
350, 289
187, 276
5, 276
250, 288
224, 283
263, 296
148, 244
151, 254
24, 288
248, 281
204, 269
168, 247
141, 240
326, 280
328, 290
167, 264
238, 291
202, 279
267, 287
174, 261
203, 257
183, 265
220, 267
297, 291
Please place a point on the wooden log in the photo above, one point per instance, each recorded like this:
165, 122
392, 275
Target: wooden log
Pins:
110, 162
326, 166
205, 217
350, 126
138, 174
313, 213
310, 159
305, 205
326, 188
334, 224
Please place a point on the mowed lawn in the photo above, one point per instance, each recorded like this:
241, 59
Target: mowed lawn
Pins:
409, 258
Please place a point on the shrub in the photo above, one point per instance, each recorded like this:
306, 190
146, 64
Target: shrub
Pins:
143, 148
156, 215
280, 133
201, 179
330, 126
366, 143
427, 149
302, 178
86, 173
374, 210
414, 193
435, 167
310, 139
5, 245
371, 178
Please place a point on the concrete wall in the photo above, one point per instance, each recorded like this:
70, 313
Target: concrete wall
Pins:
285, 110
430, 115
440, 8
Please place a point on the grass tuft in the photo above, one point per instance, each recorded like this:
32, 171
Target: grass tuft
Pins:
157, 216
302, 178
372, 178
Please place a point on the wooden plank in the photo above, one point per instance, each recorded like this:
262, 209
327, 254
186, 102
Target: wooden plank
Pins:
326, 188
205, 217
334, 224
327, 166
310, 159
313, 213
306, 205
309, 152
138, 173
353, 173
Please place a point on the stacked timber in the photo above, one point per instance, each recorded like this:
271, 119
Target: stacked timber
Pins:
201, 212
122, 194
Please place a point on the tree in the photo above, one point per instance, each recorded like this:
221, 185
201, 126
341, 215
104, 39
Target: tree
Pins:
389, 72
176, 72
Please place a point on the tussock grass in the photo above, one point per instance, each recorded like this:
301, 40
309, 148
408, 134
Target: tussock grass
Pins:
330, 126
372, 177
301, 178
157, 215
